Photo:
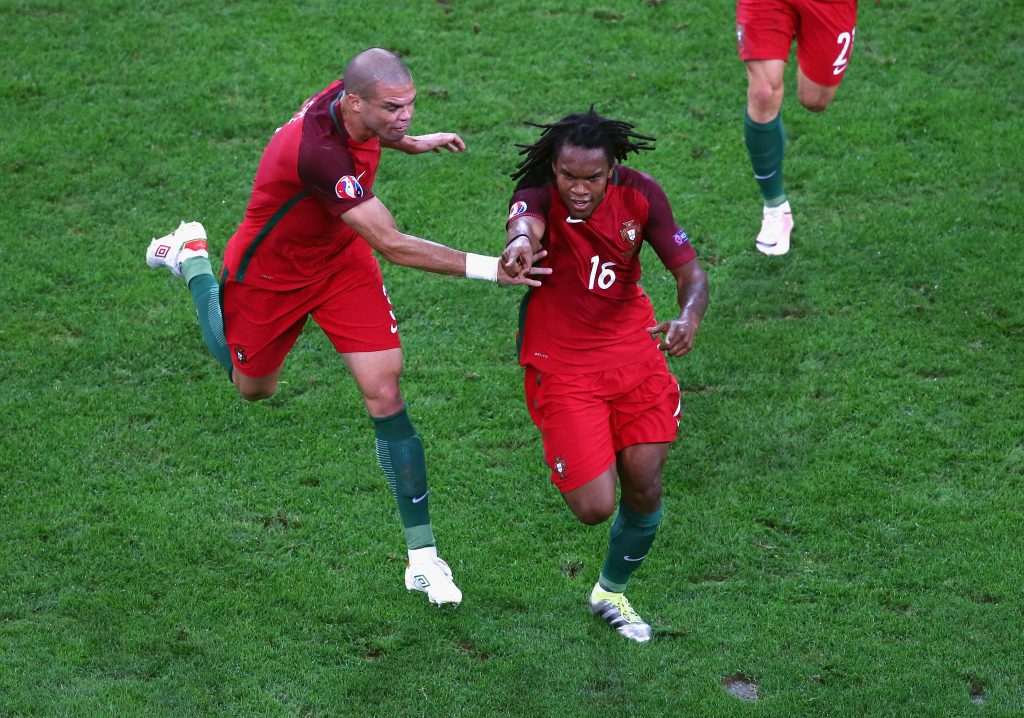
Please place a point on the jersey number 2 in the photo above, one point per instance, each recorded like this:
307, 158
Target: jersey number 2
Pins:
846, 40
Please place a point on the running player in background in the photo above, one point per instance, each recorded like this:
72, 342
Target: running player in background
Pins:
597, 384
304, 249
765, 29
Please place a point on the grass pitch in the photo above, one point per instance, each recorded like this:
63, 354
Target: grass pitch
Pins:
843, 507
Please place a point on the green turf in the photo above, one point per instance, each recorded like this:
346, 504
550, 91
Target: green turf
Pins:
843, 507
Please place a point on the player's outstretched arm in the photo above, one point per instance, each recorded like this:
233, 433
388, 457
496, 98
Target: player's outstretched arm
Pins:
374, 223
680, 334
418, 144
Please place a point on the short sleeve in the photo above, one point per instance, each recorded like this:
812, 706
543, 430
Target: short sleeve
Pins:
329, 173
530, 201
662, 232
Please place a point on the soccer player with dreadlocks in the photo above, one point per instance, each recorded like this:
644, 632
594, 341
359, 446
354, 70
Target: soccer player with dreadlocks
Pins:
597, 384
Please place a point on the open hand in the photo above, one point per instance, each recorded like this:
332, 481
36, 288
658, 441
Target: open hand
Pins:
439, 141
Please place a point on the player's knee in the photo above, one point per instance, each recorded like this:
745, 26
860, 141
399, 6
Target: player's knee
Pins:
648, 502
384, 405
254, 388
595, 513
384, 398
764, 101
593, 518
816, 103
815, 97
643, 497
258, 394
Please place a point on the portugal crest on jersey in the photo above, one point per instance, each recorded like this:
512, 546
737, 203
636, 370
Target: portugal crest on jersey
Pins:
630, 234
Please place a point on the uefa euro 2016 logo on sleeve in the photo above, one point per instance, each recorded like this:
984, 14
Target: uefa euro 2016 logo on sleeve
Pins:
348, 187
680, 238
516, 209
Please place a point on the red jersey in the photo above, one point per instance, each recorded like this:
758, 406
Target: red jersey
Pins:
591, 314
311, 172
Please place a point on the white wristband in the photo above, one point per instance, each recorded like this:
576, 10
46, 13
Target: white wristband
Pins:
479, 266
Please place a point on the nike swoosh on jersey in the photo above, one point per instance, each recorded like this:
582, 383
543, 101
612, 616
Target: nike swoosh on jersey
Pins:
571, 220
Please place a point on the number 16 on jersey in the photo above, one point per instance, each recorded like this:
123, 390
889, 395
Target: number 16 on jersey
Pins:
603, 279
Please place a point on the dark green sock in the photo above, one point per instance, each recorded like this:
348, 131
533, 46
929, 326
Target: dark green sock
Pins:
400, 454
631, 537
205, 291
766, 144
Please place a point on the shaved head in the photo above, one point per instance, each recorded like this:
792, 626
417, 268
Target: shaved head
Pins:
374, 67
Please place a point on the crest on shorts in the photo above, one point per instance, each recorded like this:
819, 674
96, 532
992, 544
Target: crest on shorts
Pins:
516, 209
739, 36
560, 467
348, 187
240, 355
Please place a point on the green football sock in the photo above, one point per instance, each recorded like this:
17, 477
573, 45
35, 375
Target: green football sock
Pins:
766, 144
400, 454
632, 535
205, 291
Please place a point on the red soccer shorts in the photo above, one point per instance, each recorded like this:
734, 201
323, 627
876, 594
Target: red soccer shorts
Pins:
586, 419
824, 32
351, 306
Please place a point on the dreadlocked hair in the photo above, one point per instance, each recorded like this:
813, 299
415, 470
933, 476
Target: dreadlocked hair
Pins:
587, 129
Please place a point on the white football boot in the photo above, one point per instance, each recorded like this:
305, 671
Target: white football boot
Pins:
186, 242
776, 226
615, 609
427, 572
